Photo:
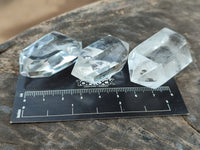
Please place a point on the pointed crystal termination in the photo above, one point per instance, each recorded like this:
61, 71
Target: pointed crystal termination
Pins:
101, 60
159, 58
48, 55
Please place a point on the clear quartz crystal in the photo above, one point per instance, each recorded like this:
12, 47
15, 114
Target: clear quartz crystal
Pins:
159, 58
48, 55
101, 60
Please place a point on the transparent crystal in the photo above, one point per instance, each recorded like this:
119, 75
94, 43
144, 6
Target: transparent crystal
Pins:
159, 58
101, 60
48, 55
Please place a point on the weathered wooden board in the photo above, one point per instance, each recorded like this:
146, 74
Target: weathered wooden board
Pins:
132, 21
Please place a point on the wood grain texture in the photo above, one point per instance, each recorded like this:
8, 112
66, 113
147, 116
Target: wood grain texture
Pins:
132, 21
13, 13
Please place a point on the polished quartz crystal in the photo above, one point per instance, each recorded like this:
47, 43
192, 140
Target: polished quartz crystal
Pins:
48, 55
159, 58
101, 60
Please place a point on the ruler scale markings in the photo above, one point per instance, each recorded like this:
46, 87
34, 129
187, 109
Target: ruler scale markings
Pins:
120, 105
117, 94
81, 96
24, 100
21, 95
22, 112
99, 95
72, 109
145, 108
63, 96
18, 113
171, 92
135, 94
90, 92
96, 90
153, 93
22, 115
65, 92
109, 99
139, 111
97, 110
168, 105
43, 98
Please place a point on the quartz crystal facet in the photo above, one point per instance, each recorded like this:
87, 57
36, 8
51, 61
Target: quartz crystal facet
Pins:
48, 55
159, 58
101, 60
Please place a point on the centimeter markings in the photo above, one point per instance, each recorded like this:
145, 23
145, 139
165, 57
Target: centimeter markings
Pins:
20, 112
93, 90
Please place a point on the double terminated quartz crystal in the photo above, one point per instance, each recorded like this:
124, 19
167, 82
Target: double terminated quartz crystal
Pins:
151, 64
48, 55
101, 60
159, 58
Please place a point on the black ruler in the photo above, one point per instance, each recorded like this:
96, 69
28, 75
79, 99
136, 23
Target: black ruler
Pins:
63, 97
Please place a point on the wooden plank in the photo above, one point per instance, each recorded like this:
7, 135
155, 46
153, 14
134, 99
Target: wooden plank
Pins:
14, 22
132, 21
